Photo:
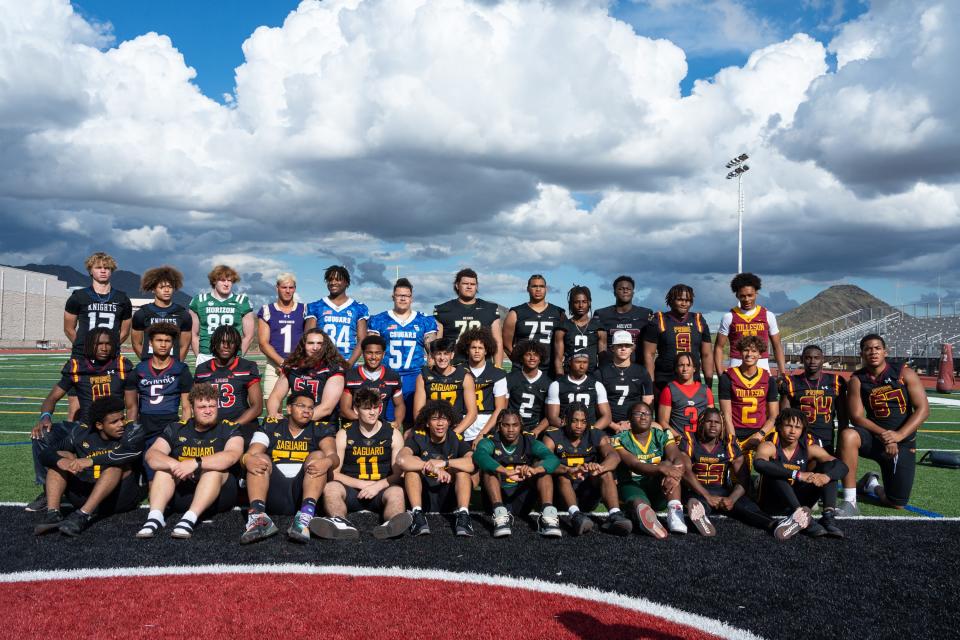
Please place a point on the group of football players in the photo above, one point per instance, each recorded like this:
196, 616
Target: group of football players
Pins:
401, 413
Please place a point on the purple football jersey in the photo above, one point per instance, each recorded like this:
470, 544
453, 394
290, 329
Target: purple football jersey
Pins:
285, 328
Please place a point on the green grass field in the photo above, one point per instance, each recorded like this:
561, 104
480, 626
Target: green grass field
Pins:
26, 379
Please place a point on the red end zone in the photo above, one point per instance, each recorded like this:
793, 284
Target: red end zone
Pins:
329, 602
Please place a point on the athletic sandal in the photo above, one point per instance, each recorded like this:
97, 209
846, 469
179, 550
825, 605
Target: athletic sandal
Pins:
698, 516
149, 529
183, 530
333, 529
395, 526
794, 524
649, 524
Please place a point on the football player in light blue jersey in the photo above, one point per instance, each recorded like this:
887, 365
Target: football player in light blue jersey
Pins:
340, 316
407, 334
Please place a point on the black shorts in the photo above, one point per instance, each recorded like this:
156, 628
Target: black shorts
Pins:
439, 498
773, 503
519, 499
126, 497
588, 491
226, 500
897, 472
824, 437
284, 495
355, 503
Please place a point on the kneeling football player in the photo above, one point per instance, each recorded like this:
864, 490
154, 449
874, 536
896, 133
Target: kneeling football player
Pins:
649, 474
795, 472
590, 461
367, 476
194, 465
287, 465
92, 467
515, 470
437, 464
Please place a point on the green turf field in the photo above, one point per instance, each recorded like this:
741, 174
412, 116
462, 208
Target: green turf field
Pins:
26, 379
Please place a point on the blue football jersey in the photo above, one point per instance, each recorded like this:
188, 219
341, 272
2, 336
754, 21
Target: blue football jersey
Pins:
340, 323
405, 347
160, 389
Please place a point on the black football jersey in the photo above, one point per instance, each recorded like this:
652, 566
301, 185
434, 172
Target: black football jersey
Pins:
456, 317
232, 381
283, 447
577, 339
818, 399
625, 386
687, 402
89, 442
673, 334
160, 389
799, 461
527, 397
186, 441
446, 387
453, 446
537, 326
311, 380
633, 321
584, 451
584, 391
483, 383
97, 311
386, 384
711, 465
150, 314
886, 398
368, 457
92, 380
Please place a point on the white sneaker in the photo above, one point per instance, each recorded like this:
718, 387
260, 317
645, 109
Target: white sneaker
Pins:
675, 521
550, 523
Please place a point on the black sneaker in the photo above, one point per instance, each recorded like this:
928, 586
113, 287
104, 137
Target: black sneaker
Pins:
463, 525
76, 523
618, 524
394, 527
815, 529
829, 522
334, 528
38, 504
50, 521
420, 526
580, 524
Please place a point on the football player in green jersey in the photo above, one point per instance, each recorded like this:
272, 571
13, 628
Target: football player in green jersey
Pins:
210, 309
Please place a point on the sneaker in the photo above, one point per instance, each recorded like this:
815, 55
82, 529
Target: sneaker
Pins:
649, 523
259, 527
299, 530
580, 524
618, 524
869, 479
675, 521
50, 521
420, 526
502, 521
149, 529
815, 529
463, 525
395, 526
333, 529
76, 523
829, 523
847, 509
793, 524
698, 516
183, 530
549, 523
37, 504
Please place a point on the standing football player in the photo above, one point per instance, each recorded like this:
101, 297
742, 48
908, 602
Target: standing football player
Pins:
236, 378
625, 381
580, 333
162, 282
446, 381
624, 315
340, 316
534, 320
678, 330
748, 319
371, 374
467, 311
279, 328
684, 398
577, 386
527, 386
219, 306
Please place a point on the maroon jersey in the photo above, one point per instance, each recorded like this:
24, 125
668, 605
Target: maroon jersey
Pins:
818, 399
749, 323
312, 380
233, 382
686, 402
711, 465
748, 396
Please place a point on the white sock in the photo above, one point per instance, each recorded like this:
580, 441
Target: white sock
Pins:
871, 486
674, 504
573, 509
614, 510
415, 509
190, 517
463, 510
157, 515
850, 495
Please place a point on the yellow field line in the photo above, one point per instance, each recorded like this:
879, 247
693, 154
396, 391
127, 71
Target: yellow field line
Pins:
27, 413
937, 431
24, 397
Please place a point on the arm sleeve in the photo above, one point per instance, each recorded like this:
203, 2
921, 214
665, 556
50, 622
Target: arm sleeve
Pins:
259, 437
483, 456
646, 384
772, 393
725, 388
547, 458
131, 446
772, 468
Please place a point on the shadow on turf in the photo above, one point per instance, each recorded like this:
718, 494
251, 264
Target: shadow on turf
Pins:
583, 625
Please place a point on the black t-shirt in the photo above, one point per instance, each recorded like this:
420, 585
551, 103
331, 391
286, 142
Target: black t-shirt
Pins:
456, 317
94, 311
625, 386
633, 321
233, 382
150, 314
453, 446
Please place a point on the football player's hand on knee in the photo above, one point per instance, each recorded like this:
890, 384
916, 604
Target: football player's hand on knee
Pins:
444, 476
891, 449
257, 464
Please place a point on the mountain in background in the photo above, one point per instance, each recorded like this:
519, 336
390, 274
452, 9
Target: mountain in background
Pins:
827, 305
125, 281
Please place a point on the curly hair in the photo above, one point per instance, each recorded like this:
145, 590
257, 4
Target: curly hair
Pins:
481, 334
102, 407
100, 258
742, 280
747, 342
204, 391
222, 271
298, 358
792, 415
153, 278
163, 329
524, 347
436, 409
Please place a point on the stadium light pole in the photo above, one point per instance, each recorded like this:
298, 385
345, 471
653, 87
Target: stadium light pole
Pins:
737, 168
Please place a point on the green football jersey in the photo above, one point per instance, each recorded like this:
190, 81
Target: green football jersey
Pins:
214, 312
648, 449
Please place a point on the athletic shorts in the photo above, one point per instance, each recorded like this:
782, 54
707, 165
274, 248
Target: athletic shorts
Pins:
648, 490
285, 494
354, 503
439, 498
519, 499
226, 500
897, 472
126, 497
587, 490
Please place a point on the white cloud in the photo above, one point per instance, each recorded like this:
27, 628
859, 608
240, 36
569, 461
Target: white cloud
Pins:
155, 238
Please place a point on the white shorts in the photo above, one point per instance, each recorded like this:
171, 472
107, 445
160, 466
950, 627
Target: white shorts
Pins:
474, 430
270, 378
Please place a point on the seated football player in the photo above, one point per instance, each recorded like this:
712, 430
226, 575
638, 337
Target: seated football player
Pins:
449, 382
649, 474
887, 404
476, 346
590, 461
625, 381
515, 470
437, 464
684, 398
286, 469
527, 386
367, 476
577, 386
748, 397
795, 473
717, 477
193, 462
374, 375
236, 378
314, 365
93, 468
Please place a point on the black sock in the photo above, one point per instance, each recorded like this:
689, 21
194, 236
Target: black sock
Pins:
309, 507
258, 506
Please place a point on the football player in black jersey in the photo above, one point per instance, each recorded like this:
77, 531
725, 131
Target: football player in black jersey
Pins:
625, 381
822, 396
589, 459
490, 383
796, 472
162, 282
676, 331
316, 365
437, 465
368, 476
372, 373
93, 468
449, 382
535, 320
577, 386
527, 386
237, 379
624, 315
192, 462
467, 311
286, 469
887, 405
580, 333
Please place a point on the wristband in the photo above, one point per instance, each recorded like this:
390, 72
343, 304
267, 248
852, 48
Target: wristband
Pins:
46, 414
199, 464
243, 460
795, 475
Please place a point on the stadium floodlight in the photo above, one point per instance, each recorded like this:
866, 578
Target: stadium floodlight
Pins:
738, 168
